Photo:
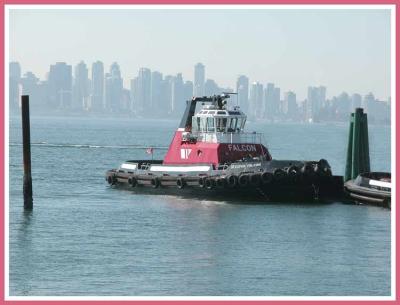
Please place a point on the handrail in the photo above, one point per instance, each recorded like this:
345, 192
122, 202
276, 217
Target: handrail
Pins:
229, 137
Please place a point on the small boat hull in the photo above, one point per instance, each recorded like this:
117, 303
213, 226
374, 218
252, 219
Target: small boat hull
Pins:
370, 188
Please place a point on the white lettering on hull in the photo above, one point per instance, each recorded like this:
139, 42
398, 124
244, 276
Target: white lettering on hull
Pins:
242, 147
185, 152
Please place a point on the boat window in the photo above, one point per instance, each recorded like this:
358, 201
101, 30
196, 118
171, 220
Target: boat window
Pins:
221, 124
210, 125
240, 123
232, 125
203, 124
221, 112
243, 123
195, 124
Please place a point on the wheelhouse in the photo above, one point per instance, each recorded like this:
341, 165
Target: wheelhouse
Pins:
213, 120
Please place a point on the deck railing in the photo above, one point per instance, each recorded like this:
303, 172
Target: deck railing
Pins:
229, 137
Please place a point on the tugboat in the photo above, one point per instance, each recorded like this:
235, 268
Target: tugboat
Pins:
211, 153
370, 188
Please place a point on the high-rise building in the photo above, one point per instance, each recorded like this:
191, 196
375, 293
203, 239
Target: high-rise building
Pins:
378, 111
113, 89
242, 89
343, 105
316, 99
29, 85
368, 100
256, 100
178, 101
167, 85
276, 105
156, 92
97, 87
133, 94
356, 100
81, 87
14, 82
167, 92
270, 107
211, 88
60, 86
143, 96
126, 102
188, 90
199, 79
289, 107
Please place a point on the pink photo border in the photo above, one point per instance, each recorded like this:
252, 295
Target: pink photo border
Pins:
199, 302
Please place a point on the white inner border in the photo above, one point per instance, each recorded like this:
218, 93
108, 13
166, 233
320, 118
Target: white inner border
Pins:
171, 168
392, 8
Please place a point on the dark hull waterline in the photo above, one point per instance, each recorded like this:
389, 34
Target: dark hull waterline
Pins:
231, 185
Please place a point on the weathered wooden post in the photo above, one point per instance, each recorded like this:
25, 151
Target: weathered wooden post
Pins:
26, 146
347, 175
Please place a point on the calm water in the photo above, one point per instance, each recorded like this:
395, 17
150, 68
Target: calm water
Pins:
85, 238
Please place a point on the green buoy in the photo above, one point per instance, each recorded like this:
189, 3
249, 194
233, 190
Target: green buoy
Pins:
358, 146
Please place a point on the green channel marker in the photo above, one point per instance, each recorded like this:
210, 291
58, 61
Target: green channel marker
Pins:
358, 145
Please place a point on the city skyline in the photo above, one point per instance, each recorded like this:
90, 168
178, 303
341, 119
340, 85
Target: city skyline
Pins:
345, 50
152, 94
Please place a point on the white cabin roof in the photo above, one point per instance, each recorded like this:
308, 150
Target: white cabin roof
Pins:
213, 112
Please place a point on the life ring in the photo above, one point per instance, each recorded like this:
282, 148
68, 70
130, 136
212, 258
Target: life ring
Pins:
232, 181
266, 177
243, 180
209, 183
180, 183
155, 182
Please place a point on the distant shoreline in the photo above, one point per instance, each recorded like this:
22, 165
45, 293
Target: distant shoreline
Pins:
172, 119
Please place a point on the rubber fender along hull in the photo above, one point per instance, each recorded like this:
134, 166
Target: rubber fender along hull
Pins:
228, 187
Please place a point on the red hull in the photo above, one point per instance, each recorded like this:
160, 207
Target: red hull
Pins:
181, 152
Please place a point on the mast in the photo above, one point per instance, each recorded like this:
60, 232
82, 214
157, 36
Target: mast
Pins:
217, 100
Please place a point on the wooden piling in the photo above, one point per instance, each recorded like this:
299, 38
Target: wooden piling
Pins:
348, 172
26, 146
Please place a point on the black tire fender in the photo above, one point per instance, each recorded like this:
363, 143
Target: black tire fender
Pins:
279, 174
155, 182
243, 180
209, 183
255, 179
202, 182
133, 181
180, 183
232, 181
267, 177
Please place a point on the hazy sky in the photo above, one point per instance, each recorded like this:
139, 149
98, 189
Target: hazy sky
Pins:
345, 50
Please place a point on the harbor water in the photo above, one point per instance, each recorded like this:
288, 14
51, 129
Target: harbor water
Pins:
86, 238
